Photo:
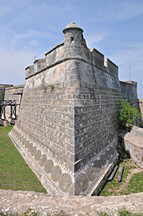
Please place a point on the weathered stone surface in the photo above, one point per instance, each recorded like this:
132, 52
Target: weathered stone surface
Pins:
141, 108
134, 144
43, 160
20, 201
56, 174
129, 92
10, 99
49, 166
65, 182
68, 113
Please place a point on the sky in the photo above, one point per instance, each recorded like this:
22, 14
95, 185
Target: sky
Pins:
30, 28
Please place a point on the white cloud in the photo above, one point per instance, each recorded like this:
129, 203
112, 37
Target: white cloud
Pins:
96, 38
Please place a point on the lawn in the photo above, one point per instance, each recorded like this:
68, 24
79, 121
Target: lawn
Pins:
14, 172
133, 185
122, 213
136, 183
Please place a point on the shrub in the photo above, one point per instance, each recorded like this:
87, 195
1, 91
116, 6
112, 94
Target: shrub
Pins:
128, 115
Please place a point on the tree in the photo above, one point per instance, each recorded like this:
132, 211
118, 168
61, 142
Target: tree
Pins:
127, 115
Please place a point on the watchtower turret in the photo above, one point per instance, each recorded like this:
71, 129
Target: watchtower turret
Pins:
73, 35
73, 39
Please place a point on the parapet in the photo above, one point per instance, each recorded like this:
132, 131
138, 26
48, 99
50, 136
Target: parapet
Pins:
54, 55
98, 58
110, 66
39, 64
29, 70
129, 82
5, 85
15, 86
101, 61
73, 48
129, 91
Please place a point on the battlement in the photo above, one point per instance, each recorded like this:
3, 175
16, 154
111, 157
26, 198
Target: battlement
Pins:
112, 67
10, 87
39, 64
73, 48
98, 58
129, 83
129, 91
5, 85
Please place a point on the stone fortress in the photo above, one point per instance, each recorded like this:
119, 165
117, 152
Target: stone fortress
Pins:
10, 99
67, 126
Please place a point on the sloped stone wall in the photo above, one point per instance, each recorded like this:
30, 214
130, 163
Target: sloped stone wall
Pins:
45, 134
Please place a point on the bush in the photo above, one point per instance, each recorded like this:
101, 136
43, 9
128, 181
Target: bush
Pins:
128, 115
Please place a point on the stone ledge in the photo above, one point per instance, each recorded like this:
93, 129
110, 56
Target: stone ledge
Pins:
20, 201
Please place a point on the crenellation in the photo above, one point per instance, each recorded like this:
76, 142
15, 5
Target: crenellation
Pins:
39, 64
129, 91
29, 70
98, 58
112, 67
55, 55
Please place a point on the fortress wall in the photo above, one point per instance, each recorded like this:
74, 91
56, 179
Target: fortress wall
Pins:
44, 131
95, 108
55, 55
129, 91
95, 137
13, 93
113, 68
2, 93
67, 128
2, 90
52, 57
98, 58
39, 64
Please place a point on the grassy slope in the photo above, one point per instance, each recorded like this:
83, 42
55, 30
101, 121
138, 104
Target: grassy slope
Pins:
135, 184
14, 172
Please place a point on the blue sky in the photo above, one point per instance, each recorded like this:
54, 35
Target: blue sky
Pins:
29, 28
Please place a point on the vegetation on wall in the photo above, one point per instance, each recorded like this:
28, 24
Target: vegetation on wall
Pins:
128, 115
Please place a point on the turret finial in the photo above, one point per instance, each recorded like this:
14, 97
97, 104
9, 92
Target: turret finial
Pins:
72, 25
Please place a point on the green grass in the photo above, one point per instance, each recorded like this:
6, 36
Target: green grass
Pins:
126, 213
122, 213
14, 172
31, 212
136, 185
